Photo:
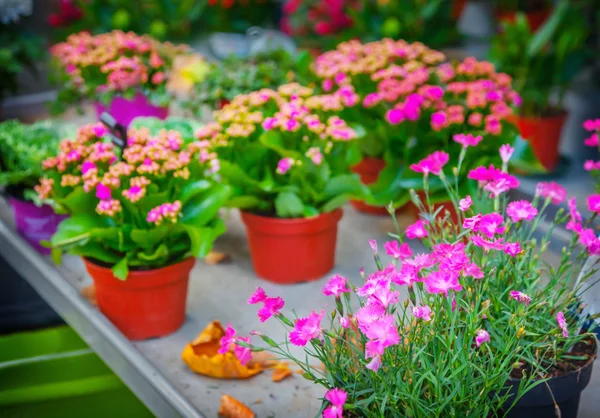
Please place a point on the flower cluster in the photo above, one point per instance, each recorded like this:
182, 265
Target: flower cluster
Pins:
115, 64
139, 194
298, 138
593, 127
478, 299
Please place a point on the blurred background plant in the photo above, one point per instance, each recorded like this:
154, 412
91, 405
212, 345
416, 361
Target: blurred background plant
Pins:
239, 15
19, 48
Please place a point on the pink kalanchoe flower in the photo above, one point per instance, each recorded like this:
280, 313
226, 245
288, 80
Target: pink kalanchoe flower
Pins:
270, 123
395, 116
521, 297
465, 204
99, 130
512, 248
272, 306
562, 324
227, 340
374, 364
506, 151
327, 85
442, 282
87, 166
382, 333
336, 286
594, 203
479, 241
422, 312
373, 245
482, 337
521, 210
258, 296
553, 191
474, 271
491, 224
337, 398
467, 140
417, 230
397, 251
103, 192
243, 354
306, 329
433, 163
284, 165
438, 121
367, 315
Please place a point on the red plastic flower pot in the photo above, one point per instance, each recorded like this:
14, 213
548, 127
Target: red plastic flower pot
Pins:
149, 303
543, 134
35, 223
124, 110
368, 170
288, 251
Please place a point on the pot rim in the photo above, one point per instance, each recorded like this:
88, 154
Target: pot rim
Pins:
98, 264
336, 213
576, 371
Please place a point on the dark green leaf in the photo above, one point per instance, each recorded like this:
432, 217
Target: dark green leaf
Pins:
203, 209
190, 190
121, 270
547, 31
288, 205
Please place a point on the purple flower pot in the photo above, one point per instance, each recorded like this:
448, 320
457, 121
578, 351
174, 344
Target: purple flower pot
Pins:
125, 110
35, 223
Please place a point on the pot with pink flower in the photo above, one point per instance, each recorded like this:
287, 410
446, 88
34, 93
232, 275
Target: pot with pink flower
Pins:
476, 322
138, 217
122, 73
284, 153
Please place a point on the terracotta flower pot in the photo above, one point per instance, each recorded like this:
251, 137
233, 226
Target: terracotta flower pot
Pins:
149, 303
535, 18
124, 110
288, 251
368, 170
35, 223
543, 134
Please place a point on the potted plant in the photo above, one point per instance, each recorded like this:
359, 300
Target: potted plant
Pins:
483, 330
122, 73
22, 150
363, 69
526, 56
233, 76
138, 217
284, 153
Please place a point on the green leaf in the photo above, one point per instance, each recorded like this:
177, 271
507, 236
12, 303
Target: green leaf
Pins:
78, 228
310, 212
202, 239
344, 184
148, 238
235, 175
162, 251
121, 270
191, 190
203, 209
288, 205
273, 140
78, 201
524, 160
95, 250
548, 29
336, 202
244, 202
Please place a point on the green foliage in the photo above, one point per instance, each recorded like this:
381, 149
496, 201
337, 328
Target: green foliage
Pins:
22, 150
527, 56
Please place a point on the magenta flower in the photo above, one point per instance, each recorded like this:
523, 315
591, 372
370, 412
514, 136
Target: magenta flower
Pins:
337, 398
474, 271
491, 224
479, 241
465, 204
397, 251
327, 85
382, 333
422, 312
284, 165
243, 354
438, 121
482, 337
420, 262
442, 282
433, 163
502, 183
562, 324
395, 116
374, 364
103, 192
383, 296
258, 296
521, 210
506, 151
521, 297
344, 322
366, 315
336, 286
373, 245
592, 141
306, 329
272, 306
591, 125
406, 276
467, 140
417, 230
227, 340
472, 222
87, 166
594, 203
587, 238
553, 191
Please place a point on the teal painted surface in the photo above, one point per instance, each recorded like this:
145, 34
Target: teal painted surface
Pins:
52, 373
